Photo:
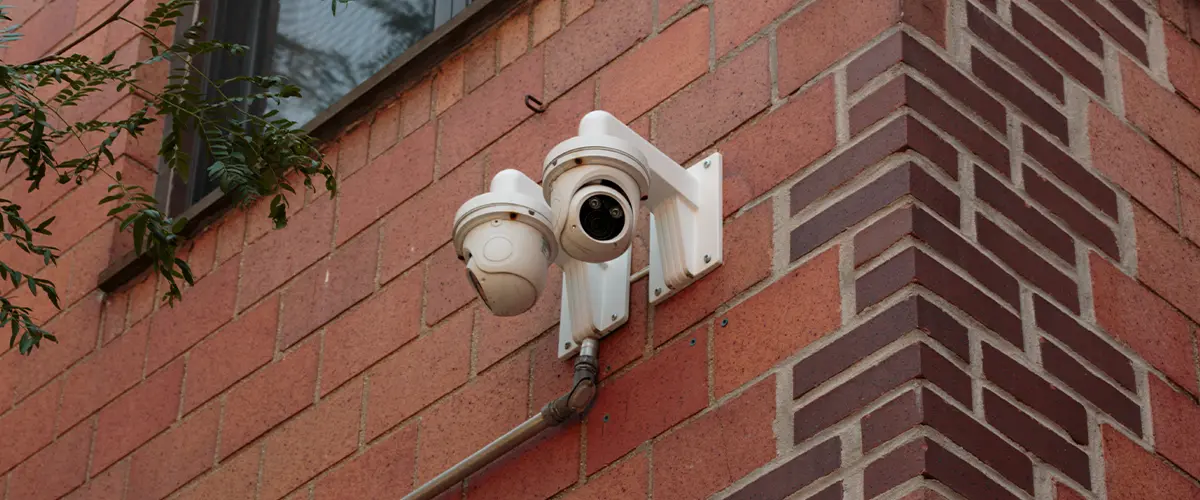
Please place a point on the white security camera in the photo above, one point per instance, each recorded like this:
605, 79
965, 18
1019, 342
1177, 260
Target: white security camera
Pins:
505, 237
595, 186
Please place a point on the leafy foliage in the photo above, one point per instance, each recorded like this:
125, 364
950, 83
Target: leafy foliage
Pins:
253, 156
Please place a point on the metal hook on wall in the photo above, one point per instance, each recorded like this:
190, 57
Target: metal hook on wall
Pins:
534, 104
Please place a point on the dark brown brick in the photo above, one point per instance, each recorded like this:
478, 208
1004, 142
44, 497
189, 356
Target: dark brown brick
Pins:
1068, 19
993, 192
879, 331
906, 91
913, 266
1035, 437
917, 361
925, 457
892, 419
1014, 90
1101, 354
1027, 263
1096, 390
874, 239
794, 474
1069, 171
901, 47
1109, 23
1016, 51
1132, 11
1033, 390
924, 407
831, 492
1060, 51
902, 464
1070, 211
905, 179
902, 133
978, 440
959, 251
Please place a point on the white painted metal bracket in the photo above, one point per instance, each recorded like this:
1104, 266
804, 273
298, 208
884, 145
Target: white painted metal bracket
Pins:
700, 228
608, 281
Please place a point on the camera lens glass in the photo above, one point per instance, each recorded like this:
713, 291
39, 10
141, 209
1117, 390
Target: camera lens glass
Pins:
602, 217
478, 288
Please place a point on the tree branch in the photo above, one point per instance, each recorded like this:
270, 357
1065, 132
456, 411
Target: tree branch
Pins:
111, 19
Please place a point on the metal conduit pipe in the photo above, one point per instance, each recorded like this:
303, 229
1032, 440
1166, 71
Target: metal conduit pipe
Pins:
556, 412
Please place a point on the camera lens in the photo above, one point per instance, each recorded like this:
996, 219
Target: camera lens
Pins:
475, 284
602, 217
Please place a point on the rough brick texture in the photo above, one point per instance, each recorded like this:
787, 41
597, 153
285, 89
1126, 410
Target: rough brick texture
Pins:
961, 261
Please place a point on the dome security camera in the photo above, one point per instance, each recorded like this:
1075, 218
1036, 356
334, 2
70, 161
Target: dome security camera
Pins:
595, 186
506, 239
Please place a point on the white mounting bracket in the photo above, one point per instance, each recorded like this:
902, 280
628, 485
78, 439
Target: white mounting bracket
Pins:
699, 228
581, 319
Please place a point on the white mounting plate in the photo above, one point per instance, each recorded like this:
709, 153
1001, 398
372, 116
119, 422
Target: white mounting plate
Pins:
707, 235
609, 283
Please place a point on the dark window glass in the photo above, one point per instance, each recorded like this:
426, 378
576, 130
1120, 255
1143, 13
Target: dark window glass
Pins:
327, 56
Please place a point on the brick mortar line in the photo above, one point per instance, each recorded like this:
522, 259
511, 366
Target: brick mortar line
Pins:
846, 281
862, 365
1066, 35
865, 177
910, 241
1032, 244
1081, 359
980, 419
783, 424
1018, 73
1004, 221
841, 64
840, 474
1029, 334
1017, 356
1073, 193
1033, 414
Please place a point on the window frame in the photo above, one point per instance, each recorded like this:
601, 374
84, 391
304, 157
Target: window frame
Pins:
401, 73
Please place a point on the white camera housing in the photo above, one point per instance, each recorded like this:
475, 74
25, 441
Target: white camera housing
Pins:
505, 238
594, 186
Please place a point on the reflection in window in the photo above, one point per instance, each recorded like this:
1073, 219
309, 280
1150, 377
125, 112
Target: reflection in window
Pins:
327, 56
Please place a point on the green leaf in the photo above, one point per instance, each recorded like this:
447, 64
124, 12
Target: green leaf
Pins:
41, 228
139, 234
118, 210
26, 341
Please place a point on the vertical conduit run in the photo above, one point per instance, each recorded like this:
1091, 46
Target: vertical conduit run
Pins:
556, 412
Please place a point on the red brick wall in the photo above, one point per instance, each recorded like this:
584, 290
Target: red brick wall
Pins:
962, 263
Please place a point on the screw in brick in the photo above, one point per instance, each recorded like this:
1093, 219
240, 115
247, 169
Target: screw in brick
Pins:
724, 322
606, 417
693, 342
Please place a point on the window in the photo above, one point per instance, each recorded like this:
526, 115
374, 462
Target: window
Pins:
327, 56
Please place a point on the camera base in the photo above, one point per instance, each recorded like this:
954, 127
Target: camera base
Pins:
699, 228
607, 284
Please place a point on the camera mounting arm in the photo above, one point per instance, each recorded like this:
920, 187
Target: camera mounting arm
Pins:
667, 178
